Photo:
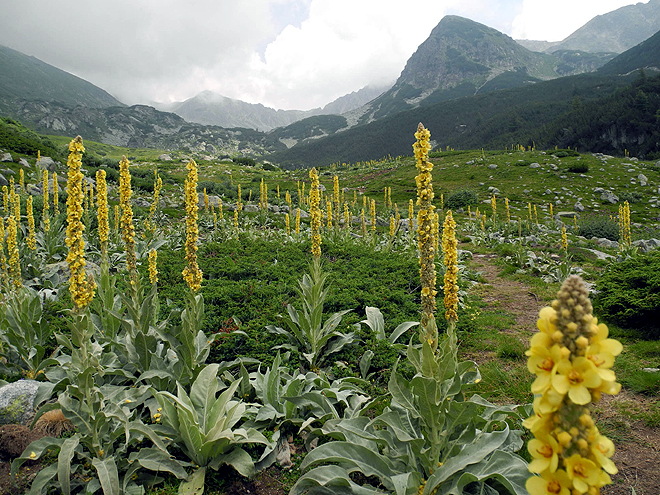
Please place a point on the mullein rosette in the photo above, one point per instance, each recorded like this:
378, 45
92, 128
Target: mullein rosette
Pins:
572, 358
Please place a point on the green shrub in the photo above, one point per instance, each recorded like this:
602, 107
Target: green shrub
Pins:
461, 199
631, 197
578, 168
629, 294
565, 153
598, 226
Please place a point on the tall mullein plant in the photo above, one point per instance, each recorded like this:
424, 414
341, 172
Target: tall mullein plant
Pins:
572, 358
191, 273
126, 222
82, 289
425, 237
315, 213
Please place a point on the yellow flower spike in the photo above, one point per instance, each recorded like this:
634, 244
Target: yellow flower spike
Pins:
425, 218
153, 270
191, 273
44, 191
126, 221
14, 265
102, 212
82, 290
315, 212
449, 248
31, 239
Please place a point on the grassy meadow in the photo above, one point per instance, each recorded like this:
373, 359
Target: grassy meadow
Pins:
138, 371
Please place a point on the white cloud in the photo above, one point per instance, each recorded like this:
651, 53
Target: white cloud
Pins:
342, 46
555, 20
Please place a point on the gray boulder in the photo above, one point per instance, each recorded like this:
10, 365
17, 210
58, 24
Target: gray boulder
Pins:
6, 157
23, 163
251, 209
535, 165
47, 163
610, 197
492, 166
3, 181
578, 206
165, 158
642, 179
17, 402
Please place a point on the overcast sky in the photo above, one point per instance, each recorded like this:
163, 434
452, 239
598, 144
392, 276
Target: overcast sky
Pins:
288, 54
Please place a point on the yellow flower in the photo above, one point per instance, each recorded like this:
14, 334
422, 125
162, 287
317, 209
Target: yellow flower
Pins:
543, 363
583, 472
576, 379
557, 483
603, 449
33, 455
544, 451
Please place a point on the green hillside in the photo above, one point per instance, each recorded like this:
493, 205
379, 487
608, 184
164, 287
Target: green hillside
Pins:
27, 78
645, 55
494, 120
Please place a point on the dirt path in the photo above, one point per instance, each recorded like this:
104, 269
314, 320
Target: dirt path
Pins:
637, 453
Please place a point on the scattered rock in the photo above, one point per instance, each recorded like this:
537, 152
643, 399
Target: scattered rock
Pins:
47, 163
253, 209
165, 158
16, 402
24, 163
642, 179
606, 243
492, 166
610, 197
535, 165
578, 206
6, 157
3, 181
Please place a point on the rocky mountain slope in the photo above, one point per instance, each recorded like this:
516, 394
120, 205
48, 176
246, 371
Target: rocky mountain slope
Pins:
463, 58
142, 126
616, 31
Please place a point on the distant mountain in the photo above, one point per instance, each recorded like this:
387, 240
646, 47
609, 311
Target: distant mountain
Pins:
462, 58
210, 108
25, 78
142, 126
616, 31
645, 56
604, 110
356, 99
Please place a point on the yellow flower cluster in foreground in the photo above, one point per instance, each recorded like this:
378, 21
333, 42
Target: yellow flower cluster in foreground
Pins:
82, 290
102, 210
572, 358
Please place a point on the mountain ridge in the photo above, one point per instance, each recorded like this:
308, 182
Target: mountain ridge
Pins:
615, 31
